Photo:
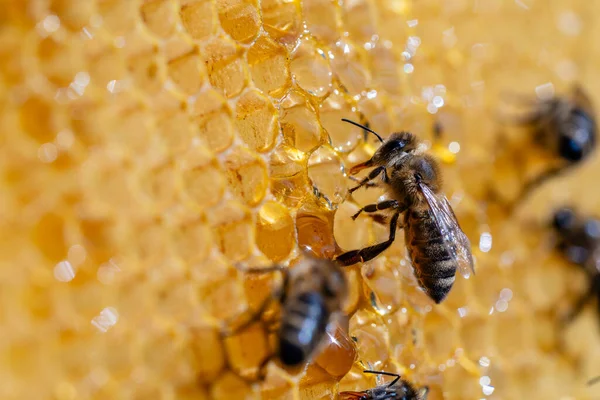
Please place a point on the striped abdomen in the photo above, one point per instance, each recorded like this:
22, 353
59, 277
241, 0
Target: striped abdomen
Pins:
434, 266
303, 326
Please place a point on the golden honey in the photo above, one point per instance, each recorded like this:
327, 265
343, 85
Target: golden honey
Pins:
148, 146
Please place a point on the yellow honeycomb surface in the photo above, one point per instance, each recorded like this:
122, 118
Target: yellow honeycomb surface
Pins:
147, 146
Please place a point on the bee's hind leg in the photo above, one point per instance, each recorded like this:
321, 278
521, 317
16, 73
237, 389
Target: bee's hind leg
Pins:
249, 317
536, 182
368, 253
594, 290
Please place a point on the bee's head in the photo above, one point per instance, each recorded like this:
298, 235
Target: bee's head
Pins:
564, 220
391, 151
577, 139
394, 147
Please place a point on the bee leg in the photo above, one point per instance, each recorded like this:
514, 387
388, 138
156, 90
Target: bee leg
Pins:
368, 253
372, 175
249, 317
371, 208
538, 181
594, 290
423, 392
368, 184
262, 368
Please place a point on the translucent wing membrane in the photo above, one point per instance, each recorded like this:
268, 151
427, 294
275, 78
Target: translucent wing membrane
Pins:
455, 240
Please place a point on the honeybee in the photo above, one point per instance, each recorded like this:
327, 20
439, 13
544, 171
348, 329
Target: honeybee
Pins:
579, 241
398, 389
311, 296
436, 244
565, 127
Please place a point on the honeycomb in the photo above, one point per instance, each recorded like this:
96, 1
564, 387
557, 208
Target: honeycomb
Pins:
148, 146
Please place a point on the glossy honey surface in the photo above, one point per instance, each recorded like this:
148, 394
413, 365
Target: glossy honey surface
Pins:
148, 146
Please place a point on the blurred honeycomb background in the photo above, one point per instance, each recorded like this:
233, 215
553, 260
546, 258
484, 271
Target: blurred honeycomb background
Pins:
147, 146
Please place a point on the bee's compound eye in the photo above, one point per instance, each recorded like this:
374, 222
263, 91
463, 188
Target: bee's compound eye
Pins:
592, 228
564, 219
397, 144
570, 148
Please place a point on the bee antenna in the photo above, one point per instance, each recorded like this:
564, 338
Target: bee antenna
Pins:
364, 127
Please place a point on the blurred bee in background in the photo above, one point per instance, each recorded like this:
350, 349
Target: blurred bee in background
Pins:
311, 296
436, 244
398, 389
579, 242
593, 381
563, 126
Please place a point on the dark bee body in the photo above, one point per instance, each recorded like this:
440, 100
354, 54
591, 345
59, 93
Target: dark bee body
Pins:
566, 128
398, 389
302, 326
435, 267
436, 244
579, 242
311, 296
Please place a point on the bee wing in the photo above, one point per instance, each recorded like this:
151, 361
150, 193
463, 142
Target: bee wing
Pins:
455, 239
352, 396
